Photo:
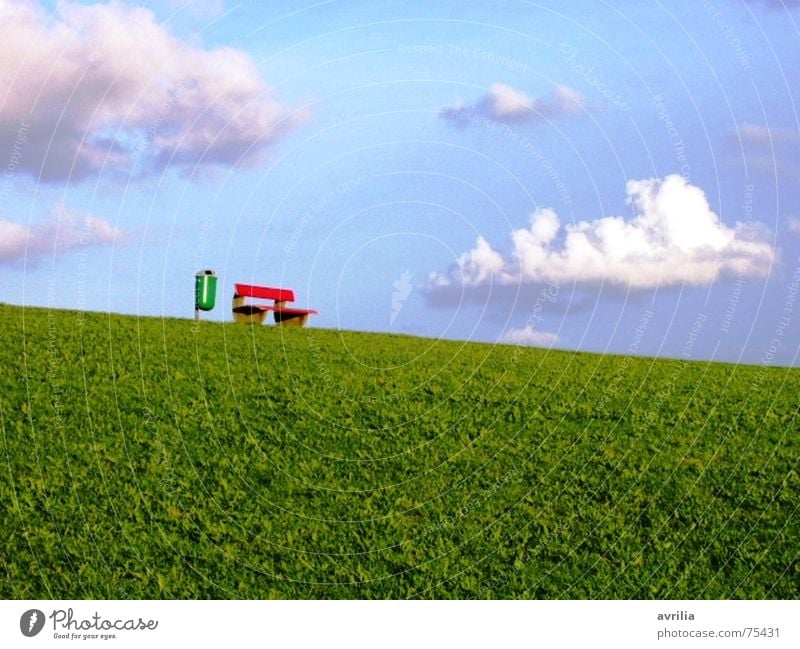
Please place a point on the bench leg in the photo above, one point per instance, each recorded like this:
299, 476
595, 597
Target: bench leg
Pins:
291, 320
244, 313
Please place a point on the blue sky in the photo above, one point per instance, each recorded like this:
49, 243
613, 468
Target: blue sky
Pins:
615, 177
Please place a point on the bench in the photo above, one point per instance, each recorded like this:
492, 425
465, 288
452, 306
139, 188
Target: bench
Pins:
256, 313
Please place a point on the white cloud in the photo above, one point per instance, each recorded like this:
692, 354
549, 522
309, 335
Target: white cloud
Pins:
673, 238
509, 105
480, 264
793, 225
64, 231
105, 85
527, 335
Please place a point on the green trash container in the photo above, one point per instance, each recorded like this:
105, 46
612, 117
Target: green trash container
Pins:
205, 291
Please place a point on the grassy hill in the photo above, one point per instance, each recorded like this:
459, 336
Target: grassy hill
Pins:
152, 458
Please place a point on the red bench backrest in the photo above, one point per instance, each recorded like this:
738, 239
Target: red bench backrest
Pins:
265, 292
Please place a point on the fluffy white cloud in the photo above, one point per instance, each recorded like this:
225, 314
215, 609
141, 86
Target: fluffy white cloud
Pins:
527, 335
480, 264
107, 86
64, 231
673, 238
793, 225
506, 104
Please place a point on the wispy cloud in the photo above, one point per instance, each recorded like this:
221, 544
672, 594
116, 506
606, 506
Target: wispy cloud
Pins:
65, 230
777, 4
768, 149
527, 335
512, 106
673, 238
207, 8
105, 86
764, 136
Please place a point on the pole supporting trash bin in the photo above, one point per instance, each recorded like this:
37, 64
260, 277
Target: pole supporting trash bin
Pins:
205, 292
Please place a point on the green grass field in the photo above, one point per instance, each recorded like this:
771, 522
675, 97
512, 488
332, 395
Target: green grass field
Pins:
150, 458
